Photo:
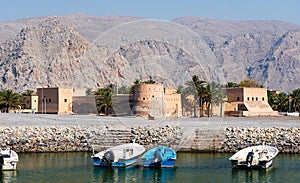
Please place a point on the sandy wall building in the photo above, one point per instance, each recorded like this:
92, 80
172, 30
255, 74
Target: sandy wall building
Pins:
29, 104
156, 101
55, 100
248, 102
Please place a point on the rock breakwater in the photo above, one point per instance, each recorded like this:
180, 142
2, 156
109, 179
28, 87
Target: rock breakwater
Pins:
86, 137
83, 138
287, 140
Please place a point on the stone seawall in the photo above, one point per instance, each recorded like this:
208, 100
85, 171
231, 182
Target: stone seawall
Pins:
287, 140
86, 137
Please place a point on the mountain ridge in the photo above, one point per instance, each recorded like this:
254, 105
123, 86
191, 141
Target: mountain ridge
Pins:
78, 51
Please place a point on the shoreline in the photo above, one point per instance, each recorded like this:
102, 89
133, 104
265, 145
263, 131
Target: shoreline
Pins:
67, 133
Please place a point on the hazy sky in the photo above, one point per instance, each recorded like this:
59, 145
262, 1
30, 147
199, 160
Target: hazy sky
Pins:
286, 10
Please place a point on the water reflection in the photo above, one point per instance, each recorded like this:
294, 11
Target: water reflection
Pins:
8, 176
133, 174
190, 167
159, 175
262, 176
129, 174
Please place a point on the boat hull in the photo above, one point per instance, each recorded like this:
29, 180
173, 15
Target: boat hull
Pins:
98, 162
242, 165
12, 165
163, 164
118, 156
254, 157
159, 157
8, 159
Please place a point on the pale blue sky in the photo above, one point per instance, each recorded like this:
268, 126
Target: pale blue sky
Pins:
286, 10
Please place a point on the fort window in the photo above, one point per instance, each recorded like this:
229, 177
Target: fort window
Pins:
263, 99
248, 98
238, 98
143, 98
49, 100
256, 98
252, 98
152, 96
65, 100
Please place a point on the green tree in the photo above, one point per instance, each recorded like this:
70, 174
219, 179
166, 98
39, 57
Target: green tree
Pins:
124, 90
27, 93
249, 83
24, 95
203, 93
104, 99
232, 85
132, 88
149, 81
217, 94
279, 102
89, 91
295, 100
189, 96
9, 100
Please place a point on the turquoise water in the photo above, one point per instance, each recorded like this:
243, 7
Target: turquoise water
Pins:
190, 167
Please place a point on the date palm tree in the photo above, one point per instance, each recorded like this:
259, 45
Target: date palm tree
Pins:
9, 100
279, 102
217, 94
104, 99
203, 91
295, 100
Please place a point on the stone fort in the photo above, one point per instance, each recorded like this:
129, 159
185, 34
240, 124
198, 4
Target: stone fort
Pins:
153, 100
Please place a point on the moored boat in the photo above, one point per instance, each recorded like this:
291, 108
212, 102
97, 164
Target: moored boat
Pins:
159, 157
118, 156
8, 159
254, 157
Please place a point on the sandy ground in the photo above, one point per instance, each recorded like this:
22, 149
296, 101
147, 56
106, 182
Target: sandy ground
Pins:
213, 123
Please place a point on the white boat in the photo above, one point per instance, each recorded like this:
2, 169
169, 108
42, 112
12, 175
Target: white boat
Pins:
8, 159
254, 157
118, 156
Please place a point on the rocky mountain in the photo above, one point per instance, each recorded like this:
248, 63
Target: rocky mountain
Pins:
86, 52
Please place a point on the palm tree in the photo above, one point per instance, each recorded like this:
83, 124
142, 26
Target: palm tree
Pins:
89, 91
27, 93
295, 102
217, 95
9, 100
132, 88
202, 88
279, 102
104, 99
189, 96
149, 81
25, 96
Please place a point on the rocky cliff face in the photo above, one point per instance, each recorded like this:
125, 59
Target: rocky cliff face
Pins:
86, 52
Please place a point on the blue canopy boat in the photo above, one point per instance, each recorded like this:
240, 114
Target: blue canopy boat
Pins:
159, 157
118, 156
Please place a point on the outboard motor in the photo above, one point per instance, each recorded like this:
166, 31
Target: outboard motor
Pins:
158, 155
1, 160
249, 158
108, 158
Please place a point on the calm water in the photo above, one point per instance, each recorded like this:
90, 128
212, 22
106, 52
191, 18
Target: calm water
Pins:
190, 167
